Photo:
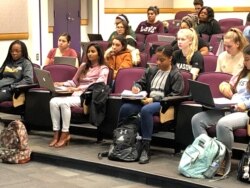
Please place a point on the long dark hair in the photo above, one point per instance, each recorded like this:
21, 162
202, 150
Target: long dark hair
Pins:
244, 71
24, 52
100, 56
210, 13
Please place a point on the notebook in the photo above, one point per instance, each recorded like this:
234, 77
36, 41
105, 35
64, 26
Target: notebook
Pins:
201, 93
65, 60
95, 37
45, 81
127, 94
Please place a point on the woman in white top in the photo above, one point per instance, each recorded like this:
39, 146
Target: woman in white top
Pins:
231, 60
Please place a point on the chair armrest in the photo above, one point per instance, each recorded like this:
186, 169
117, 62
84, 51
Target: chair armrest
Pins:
166, 102
23, 87
174, 100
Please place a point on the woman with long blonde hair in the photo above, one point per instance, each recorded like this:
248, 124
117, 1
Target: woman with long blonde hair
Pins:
188, 57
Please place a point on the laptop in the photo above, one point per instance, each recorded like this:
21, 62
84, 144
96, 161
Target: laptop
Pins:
95, 37
202, 94
65, 60
45, 81
167, 39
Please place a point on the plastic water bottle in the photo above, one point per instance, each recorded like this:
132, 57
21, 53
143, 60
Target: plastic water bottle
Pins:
212, 169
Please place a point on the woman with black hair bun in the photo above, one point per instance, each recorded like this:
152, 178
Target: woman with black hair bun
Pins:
151, 25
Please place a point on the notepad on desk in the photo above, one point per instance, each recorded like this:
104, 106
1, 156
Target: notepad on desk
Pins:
127, 94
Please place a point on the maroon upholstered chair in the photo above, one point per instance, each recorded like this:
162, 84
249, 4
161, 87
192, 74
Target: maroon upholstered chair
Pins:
126, 77
179, 15
144, 60
215, 42
173, 26
210, 62
61, 72
227, 23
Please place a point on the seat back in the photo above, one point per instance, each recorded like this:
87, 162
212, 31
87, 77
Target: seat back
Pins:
215, 42
126, 77
210, 62
61, 72
214, 79
144, 60
227, 23
179, 15
186, 76
173, 26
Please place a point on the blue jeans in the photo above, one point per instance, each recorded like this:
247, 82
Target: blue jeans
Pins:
146, 111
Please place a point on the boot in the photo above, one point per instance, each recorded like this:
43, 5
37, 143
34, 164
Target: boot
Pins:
64, 140
55, 139
144, 158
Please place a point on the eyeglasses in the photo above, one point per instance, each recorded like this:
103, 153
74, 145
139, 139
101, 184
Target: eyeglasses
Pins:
15, 51
119, 27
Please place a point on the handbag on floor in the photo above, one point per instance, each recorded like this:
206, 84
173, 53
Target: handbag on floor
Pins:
14, 143
243, 171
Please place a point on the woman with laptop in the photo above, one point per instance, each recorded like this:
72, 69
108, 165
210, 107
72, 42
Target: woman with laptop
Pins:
63, 49
93, 71
237, 118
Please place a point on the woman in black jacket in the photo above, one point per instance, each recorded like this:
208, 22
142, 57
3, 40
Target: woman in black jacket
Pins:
207, 24
159, 81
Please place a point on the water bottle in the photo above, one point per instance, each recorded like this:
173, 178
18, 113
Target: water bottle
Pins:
210, 172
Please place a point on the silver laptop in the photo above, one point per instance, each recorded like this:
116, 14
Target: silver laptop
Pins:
65, 60
202, 94
45, 81
165, 38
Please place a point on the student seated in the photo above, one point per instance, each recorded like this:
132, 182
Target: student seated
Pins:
188, 22
122, 28
122, 18
188, 57
119, 56
151, 25
226, 123
207, 24
93, 71
231, 60
159, 81
63, 49
16, 69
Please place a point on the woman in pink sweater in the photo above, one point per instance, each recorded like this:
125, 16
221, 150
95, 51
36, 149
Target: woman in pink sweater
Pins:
93, 71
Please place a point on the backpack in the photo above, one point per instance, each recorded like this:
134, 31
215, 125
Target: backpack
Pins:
243, 171
14, 143
203, 158
126, 142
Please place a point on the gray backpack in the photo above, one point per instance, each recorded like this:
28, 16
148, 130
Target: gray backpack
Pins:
203, 158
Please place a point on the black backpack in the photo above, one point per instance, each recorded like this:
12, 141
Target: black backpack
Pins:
243, 171
126, 142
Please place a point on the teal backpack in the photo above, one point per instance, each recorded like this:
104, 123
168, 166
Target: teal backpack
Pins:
203, 158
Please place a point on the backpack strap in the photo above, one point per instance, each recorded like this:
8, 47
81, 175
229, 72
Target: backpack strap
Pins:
227, 167
102, 154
